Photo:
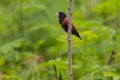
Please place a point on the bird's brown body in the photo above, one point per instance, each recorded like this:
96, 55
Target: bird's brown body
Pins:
63, 20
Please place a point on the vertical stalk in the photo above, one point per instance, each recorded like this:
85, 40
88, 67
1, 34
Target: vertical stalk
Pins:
20, 17
69, 41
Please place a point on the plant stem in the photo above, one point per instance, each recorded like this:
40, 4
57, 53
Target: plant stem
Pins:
69, 41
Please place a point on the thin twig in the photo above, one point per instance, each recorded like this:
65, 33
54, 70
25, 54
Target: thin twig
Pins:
20, 17
91, 75
69, 41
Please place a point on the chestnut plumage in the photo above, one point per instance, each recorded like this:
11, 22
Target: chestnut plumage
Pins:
63, 20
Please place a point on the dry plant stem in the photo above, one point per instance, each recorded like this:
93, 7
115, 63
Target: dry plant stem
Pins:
69, 41
20, 27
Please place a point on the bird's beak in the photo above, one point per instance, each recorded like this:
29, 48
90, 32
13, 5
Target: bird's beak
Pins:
57, 14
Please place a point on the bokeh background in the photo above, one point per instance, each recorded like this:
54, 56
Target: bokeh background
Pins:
33, 46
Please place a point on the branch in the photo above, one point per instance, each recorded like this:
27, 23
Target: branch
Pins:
20, 27
69, 41
111, 58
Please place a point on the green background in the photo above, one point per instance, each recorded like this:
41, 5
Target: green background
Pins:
33, 46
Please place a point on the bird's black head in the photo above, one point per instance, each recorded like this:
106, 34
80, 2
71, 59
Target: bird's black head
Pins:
61, 16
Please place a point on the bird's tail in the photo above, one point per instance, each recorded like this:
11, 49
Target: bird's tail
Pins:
77, 34
80, 37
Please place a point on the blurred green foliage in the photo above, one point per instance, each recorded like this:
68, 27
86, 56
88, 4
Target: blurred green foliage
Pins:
33, 46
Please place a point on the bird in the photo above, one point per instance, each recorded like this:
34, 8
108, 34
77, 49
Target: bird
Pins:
63, 21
